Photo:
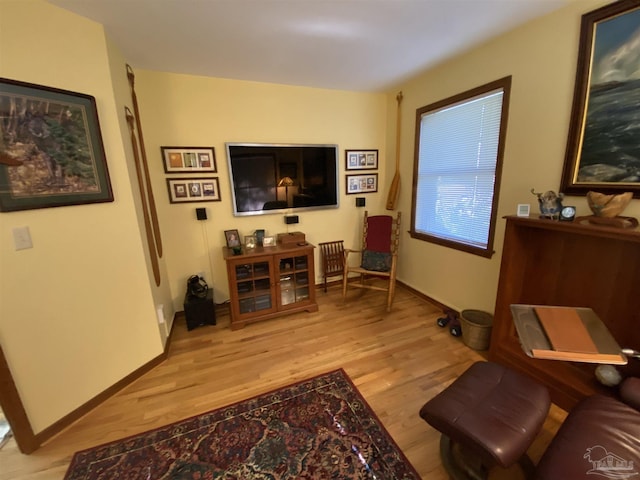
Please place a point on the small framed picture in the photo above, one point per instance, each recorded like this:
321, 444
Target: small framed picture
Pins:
189, 159
523, 209
250, 241
361, 159
269, 241
189, 190
232, 237
362, 183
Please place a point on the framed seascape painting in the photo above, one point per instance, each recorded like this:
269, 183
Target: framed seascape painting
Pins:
51, 150
603, 151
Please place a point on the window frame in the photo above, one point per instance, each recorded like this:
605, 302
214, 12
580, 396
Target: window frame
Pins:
504, 84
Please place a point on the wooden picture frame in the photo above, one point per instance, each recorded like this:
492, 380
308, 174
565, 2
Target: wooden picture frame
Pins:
191, 190
189, 159
233, 238
602, 152
52, 154
364, 183
361, 159
269, 241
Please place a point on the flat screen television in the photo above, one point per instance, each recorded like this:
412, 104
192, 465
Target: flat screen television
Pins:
275, 178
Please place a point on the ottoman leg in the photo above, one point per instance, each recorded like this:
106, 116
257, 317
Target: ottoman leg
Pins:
460, 463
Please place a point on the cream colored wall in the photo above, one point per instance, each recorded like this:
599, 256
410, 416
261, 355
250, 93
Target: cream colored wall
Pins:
541, 57
182, 110
77, 312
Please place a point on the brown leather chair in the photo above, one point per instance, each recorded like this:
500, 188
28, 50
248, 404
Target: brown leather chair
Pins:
490, 416
600, 438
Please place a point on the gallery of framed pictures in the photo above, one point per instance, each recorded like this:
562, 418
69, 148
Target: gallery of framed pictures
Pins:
603, 152
189, 159
361, 159
192, 189
365, 183
51, 149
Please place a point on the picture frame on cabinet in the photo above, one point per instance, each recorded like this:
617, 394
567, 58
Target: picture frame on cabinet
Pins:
232, 237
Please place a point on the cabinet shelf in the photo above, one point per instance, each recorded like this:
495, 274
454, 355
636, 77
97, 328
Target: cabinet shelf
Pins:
266, 282
546, 262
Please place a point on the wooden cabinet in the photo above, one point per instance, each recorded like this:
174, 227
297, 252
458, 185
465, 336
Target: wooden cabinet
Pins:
265, 282
546, 262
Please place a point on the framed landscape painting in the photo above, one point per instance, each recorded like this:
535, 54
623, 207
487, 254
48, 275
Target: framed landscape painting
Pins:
603, 151
51, 150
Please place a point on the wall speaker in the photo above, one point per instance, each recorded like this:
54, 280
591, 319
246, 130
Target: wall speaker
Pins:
201, 213
290, 219
360, 202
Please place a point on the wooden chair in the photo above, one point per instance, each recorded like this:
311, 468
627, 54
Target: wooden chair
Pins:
332, 257
378, 256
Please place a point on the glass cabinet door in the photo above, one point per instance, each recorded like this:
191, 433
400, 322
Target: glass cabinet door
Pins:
253, 286
293, 279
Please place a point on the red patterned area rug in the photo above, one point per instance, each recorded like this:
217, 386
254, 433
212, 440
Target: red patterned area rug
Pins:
321, 428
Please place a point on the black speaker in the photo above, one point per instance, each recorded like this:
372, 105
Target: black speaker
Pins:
360, 201
199, 311
289, 219
201, 213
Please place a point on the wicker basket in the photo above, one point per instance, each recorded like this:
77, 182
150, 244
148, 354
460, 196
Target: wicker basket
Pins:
476, 328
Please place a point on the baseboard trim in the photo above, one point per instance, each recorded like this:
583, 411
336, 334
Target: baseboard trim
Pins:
41, 437
85, 408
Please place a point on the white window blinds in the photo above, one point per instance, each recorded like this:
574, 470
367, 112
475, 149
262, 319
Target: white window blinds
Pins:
457, 157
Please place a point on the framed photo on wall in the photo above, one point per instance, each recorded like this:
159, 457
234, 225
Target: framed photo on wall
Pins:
52, 153
366, 183
189, 190
361, 159
603, 152
189, 159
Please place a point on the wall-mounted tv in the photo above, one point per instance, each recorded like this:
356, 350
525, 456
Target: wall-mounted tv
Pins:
275, 178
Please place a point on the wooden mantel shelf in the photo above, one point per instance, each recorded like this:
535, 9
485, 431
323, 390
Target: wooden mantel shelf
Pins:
547, 262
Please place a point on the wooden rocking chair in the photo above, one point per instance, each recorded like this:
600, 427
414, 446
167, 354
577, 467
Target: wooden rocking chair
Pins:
379, 255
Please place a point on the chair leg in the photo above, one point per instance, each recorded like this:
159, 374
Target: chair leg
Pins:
345, 278
391, 294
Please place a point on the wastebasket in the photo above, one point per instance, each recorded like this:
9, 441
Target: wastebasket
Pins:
476, 328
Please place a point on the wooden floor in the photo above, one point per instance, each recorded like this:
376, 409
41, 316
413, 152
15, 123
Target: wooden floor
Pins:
397, 360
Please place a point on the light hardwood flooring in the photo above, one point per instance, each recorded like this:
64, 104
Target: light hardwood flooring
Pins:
398, 360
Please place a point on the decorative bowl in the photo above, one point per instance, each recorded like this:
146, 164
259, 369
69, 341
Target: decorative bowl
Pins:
608, 206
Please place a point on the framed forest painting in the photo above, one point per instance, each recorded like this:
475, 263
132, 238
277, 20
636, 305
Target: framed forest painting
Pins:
51, 150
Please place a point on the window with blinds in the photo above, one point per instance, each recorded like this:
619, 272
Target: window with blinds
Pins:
458, 161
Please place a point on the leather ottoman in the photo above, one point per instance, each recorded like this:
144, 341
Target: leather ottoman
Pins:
489, 416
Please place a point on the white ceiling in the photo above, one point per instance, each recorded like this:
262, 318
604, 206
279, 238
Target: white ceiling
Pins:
360, 45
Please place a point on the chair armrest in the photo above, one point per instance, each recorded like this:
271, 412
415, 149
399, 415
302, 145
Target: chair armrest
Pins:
630, 392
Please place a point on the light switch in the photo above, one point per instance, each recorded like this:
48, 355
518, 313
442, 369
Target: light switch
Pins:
22, 238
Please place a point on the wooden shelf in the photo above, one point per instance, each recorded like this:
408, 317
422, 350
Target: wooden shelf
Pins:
546, 262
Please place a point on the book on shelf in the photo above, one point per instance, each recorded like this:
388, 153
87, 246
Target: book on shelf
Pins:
573, 334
